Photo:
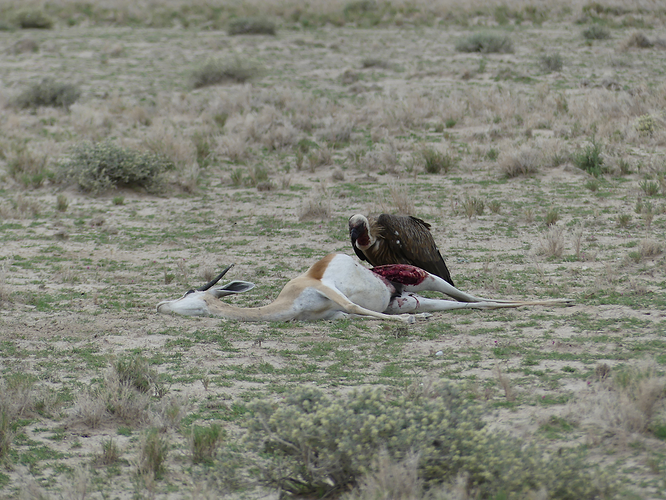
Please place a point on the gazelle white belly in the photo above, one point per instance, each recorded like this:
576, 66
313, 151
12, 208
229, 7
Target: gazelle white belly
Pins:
358, 284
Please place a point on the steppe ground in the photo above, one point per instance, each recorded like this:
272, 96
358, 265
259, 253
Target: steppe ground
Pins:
338, 119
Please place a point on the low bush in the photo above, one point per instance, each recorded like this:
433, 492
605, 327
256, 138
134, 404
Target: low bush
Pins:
524, 161
435, 161
33, 19
590, 159
596, 32
551, 62
48, 92
486, 43
204, 442
153, 454
218, 72
251, 26
319, 445
105, 165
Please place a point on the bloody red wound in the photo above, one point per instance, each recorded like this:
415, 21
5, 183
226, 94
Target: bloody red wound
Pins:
401, 273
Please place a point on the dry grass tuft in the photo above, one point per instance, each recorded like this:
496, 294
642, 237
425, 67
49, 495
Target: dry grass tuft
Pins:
23, 46
401, 200
650, 248
631, 399
251, 26
525, 161
485, 43
154, 449
214, 72
505, 383
552, 245
48, 92
317, 206
638, 40
390, 480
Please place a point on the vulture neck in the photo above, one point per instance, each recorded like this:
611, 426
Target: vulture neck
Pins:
366, 239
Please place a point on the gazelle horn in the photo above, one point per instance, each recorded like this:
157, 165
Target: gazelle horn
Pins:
214, 281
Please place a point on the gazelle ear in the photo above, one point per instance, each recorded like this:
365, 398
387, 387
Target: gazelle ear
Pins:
231, 288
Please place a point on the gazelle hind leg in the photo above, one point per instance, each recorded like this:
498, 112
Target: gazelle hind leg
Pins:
437, 284
411, 303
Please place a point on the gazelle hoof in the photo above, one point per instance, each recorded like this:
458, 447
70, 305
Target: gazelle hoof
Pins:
408, 318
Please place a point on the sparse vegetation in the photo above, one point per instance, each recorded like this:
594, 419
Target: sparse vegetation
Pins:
78, 287
485, 43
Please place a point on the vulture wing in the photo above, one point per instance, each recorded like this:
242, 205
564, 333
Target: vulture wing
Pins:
407, 240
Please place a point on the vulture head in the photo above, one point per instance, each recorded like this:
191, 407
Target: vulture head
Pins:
359, 231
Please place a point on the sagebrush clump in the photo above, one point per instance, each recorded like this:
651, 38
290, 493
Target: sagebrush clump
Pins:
48, 92
596, 32
33, 19
320, 444
590, 159
214, 72
102, 166
486, 43
251, 26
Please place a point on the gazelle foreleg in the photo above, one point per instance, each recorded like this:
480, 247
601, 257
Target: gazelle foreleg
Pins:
351, 308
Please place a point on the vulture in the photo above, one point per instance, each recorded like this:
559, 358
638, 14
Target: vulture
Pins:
397, 239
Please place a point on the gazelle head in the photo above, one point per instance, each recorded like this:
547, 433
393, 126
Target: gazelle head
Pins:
193, 303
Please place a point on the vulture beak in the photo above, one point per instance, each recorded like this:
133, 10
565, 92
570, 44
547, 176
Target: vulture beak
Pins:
354, 232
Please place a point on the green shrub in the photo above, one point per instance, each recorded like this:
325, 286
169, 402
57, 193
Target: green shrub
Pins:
251, 26
435, 161
472, 206
105, 165
33, 19
646, 125
6, 435
552, 216
62, 203
320, 444
590, 159
153, 454
204, 442
650, 188
217, 72
596, 32
26, 167
486, 43
134, 372
48, 92
551, 62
